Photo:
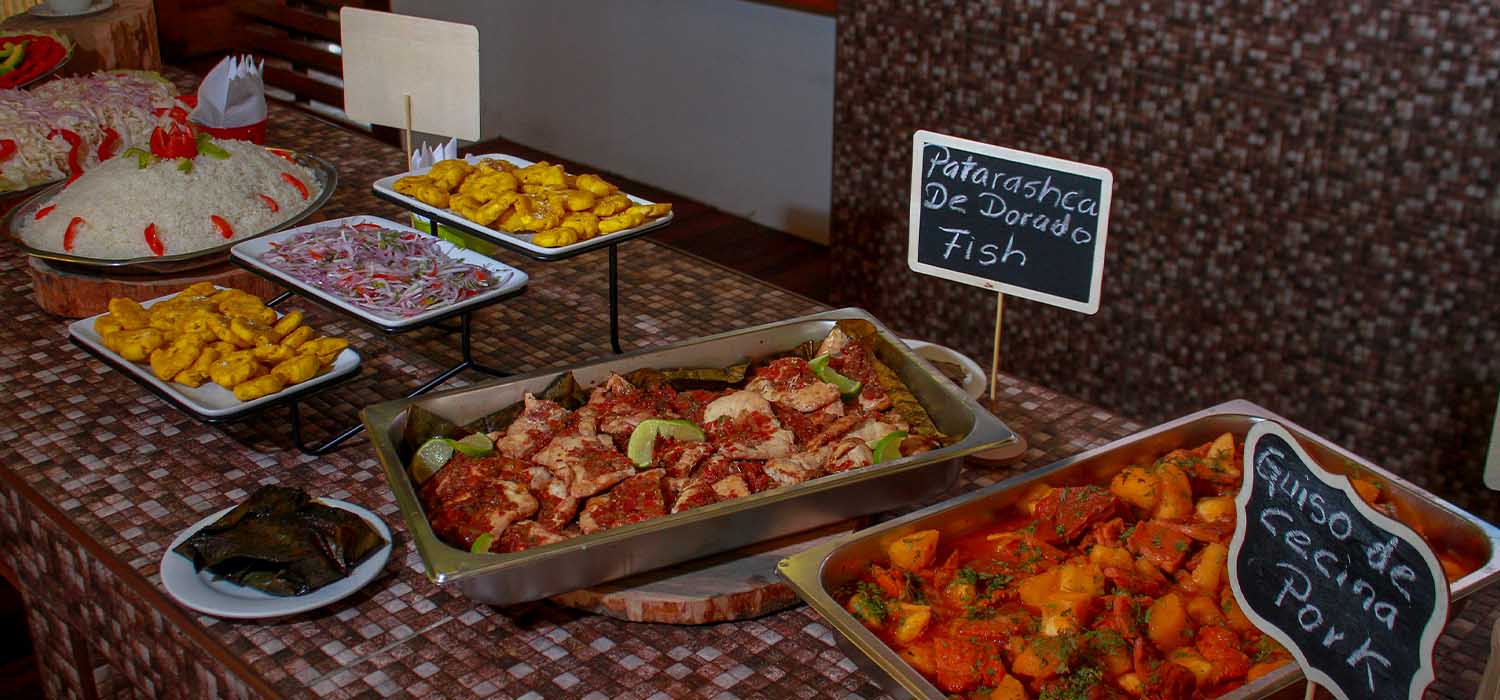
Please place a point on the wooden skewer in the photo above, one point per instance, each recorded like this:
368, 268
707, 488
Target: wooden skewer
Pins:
995, 358
406, 135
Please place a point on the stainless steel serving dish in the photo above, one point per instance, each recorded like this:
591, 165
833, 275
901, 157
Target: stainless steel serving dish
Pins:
503, 579
816, 573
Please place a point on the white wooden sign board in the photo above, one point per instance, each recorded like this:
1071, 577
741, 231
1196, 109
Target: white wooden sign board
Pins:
971, 202
388, 57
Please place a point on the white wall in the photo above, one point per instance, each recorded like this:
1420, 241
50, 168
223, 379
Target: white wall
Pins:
725, 101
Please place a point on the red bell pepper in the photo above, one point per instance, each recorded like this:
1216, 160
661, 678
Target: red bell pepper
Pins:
174, 143
7, 149
221, 226
183, 143
72, 233
301, 188
176, 113
45, 211
270, 203
75, 144
153, 241
110, 143
159, 143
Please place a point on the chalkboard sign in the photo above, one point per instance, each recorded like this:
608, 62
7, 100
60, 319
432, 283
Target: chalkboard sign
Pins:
1009, 221
1356, 596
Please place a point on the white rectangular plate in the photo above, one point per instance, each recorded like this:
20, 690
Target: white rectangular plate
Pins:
210, 399
386, 186
510, 279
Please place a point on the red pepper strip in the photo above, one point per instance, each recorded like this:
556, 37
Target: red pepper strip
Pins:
285, 156
367, 227
179, 114
71, 233
270, 203
301, 188
153, 241
75, 142
7, 149
221, 226
45, 211
110, 143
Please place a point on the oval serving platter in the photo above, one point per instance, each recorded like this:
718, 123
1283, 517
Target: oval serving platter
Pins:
324, 171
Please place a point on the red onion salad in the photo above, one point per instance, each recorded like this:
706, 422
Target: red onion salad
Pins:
397, 274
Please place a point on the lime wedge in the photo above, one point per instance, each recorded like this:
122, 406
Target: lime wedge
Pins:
482, 543
431, 456
476, 445
643, 438
846, 386
888, 447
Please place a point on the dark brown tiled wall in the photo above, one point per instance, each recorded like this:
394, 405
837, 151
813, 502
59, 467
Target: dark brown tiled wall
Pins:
1304, 211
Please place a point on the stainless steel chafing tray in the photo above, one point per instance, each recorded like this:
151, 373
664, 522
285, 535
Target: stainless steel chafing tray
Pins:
816, 573
503, 579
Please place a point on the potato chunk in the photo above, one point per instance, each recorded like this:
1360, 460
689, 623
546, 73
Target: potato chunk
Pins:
914, 551
1166, 623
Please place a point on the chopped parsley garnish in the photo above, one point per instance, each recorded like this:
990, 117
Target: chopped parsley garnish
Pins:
871, 602
1079, 685
992, 582
914, 588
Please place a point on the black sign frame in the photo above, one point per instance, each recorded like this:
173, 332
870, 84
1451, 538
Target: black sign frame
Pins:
996, 232
1270, 441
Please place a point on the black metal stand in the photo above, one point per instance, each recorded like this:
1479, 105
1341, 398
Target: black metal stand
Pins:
614, 278
614, 299
466, 361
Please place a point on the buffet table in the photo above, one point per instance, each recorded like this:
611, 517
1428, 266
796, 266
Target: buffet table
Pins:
98, 476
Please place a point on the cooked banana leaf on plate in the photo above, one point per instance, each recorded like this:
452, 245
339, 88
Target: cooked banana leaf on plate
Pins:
282, 542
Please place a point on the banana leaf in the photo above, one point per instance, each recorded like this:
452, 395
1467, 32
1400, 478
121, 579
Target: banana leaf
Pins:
280, 542
902, 400
423, 425
689, 378
564, 391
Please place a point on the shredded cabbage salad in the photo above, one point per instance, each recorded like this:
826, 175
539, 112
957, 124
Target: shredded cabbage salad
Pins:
396, 274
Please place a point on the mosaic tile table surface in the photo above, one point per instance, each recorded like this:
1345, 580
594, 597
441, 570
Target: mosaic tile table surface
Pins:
99, 475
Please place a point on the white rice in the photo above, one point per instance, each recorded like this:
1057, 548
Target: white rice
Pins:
117, 201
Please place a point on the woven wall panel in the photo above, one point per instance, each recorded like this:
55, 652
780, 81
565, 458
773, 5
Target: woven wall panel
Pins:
1304, 211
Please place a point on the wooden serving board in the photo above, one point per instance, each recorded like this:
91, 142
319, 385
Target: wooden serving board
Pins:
78, 294
736, 585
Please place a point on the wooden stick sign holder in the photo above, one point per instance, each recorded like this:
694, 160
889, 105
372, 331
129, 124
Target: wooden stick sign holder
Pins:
1009, 221
995, 357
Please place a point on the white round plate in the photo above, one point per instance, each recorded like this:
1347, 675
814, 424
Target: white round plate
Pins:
198, 589
43, 11
974, 375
